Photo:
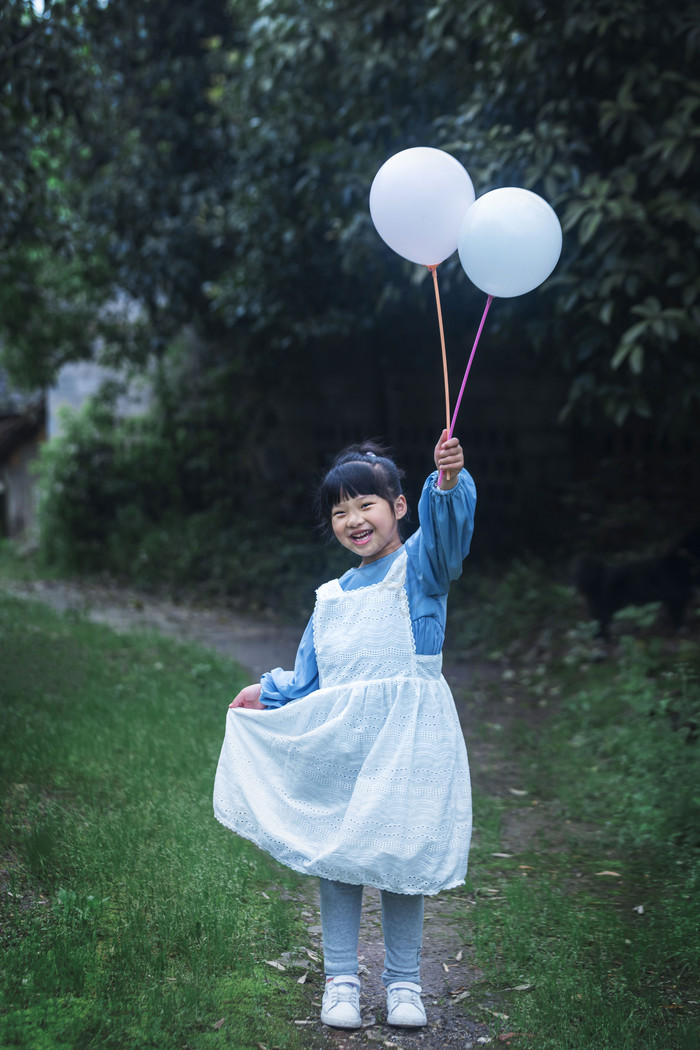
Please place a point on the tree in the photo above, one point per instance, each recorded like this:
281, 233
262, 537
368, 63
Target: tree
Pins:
212, 163
49, 293
112, 157
158, 157
595, 105
591, 104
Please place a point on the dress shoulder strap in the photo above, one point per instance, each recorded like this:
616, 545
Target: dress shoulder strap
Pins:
330, 589
395, 577
397, 572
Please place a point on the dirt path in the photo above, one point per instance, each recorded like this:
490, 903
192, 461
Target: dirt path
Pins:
448, 973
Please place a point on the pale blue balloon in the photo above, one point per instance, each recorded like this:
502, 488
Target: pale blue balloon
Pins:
509, 242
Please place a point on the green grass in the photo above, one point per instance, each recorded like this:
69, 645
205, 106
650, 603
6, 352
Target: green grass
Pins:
16, 565
569, 962
129, 917
589, 935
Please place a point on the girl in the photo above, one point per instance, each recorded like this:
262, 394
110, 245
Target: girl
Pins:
352, 767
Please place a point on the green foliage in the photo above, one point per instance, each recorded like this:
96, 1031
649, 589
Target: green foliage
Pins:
158, 158
592, 109
622, 743
636, 731
577, 967
103, 482
583, 909
130, 917
511, 599
595, 107
155, 504
42, 76
215, 162
48, 311
52, 284
323, 95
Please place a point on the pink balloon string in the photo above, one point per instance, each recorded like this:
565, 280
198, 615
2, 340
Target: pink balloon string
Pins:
489, 300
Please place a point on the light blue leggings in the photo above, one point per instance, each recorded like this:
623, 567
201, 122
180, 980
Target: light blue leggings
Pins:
402, 922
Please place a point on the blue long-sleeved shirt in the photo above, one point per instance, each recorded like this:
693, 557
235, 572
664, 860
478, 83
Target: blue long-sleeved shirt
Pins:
435, 555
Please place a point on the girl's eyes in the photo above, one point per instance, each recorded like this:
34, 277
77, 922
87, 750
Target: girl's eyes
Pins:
366, 503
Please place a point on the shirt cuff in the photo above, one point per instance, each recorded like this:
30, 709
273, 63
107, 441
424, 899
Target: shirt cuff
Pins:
441, 493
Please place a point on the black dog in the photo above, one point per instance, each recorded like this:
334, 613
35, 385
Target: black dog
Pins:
669, 578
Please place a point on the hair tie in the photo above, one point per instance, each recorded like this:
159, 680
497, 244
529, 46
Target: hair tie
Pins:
371, 455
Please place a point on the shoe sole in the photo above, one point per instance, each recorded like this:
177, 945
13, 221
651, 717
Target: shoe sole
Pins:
336, 1024
408, 1024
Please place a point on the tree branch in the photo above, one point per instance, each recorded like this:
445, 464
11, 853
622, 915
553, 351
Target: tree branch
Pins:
26, 39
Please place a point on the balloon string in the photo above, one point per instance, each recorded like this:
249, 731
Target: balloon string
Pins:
489, 300
433, 270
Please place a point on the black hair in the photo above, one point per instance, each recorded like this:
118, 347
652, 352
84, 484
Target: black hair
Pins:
359, 470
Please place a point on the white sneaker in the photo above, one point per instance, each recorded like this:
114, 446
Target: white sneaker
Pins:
341, 1002
404, 1006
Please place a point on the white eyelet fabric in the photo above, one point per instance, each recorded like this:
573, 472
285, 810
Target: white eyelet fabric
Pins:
366, 780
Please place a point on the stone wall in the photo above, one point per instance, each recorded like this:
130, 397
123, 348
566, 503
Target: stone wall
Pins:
19, 491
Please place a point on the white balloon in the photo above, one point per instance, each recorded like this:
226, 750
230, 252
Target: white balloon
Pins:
417, 201
509, 241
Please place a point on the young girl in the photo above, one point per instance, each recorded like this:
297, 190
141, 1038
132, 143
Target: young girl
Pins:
353, 767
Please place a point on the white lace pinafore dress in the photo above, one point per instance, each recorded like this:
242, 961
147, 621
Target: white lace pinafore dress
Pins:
366, 780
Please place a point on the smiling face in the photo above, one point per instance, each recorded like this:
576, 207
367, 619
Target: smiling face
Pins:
368, 525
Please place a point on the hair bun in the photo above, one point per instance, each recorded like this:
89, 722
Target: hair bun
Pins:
370, 449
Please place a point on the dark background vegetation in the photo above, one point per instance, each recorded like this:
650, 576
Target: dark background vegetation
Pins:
185, 194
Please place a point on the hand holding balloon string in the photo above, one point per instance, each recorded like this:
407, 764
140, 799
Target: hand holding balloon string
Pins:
449, 460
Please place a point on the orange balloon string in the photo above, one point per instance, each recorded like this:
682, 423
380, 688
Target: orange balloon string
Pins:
433, 270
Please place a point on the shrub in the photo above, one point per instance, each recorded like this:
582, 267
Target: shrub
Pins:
111, 499
102, 482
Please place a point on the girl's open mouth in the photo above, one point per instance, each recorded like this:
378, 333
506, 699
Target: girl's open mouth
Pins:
361, 537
